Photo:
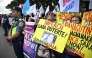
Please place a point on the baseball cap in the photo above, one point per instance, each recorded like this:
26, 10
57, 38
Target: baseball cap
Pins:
17, 9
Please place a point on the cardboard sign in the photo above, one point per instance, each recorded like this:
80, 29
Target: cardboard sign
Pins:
87, 16
80, 40
87, 19
63, 17
51, 35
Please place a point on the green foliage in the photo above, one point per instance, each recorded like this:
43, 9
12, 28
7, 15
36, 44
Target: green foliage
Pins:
38, 3
45, 3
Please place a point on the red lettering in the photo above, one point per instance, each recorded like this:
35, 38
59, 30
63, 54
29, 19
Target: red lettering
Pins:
90, 24
50, 46
73, 26
85, 15
47, 22
67, 24
78, 28
89, 16
73, 39
79, 53
54, 25
88, 30
83, 29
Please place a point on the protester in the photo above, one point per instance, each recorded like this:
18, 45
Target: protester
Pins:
10, 22
56, 54
0, 19
76, 20
27, 17
67, 53
5, 24
31, 20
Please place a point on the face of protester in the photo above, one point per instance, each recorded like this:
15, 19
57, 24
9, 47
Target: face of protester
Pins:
75, 20
15, 13
49, 18
50, 38
36, 21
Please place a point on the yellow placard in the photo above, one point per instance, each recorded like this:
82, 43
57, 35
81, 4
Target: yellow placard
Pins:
87, 19
51, 35
62, 16
80, 40
87, 16
84, 22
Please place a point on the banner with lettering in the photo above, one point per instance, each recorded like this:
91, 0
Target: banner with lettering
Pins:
80, 40
63, 17
69, 5
51, 35
30, 47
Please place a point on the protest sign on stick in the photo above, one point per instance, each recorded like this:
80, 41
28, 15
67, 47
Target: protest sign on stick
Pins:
62, 17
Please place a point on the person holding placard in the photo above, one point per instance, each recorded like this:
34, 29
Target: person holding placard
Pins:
67, 53
42, 51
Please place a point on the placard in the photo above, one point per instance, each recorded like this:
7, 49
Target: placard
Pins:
51, 35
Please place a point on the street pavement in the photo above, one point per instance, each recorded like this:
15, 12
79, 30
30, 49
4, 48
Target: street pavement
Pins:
6, 51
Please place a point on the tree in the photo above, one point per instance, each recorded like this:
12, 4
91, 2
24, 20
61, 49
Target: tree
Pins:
14, 3
45, 3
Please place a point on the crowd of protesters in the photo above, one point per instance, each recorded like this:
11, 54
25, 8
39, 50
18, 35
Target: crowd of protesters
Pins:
5, 22
42, 51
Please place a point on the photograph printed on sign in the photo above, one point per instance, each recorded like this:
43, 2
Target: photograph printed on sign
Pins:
86, 23
48, 37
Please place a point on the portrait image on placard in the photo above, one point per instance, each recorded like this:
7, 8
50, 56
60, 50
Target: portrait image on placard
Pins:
48, 37
86, 23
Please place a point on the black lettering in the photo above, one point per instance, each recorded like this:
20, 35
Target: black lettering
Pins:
56, 31
78, 46
82, 42
82, 36
90, 39
41, 26
75, 45
86, 44
90, 48
63, 33
77, 34
66, 35
49, 28
69, 47
71, 44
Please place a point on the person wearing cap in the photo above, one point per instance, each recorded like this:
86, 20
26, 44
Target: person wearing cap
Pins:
5, 24
15, 36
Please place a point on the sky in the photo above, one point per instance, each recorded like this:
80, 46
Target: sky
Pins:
4, 3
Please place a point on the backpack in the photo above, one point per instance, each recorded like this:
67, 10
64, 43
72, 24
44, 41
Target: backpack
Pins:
43, 52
